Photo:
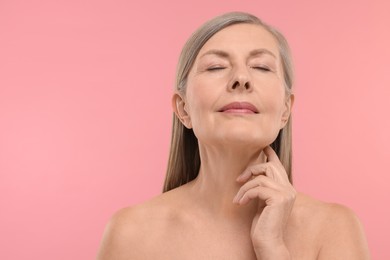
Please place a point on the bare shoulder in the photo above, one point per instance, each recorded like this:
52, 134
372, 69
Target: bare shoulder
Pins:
325, 213
132, 231
340, 232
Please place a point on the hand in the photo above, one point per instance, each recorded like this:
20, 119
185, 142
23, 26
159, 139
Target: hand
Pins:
276, 196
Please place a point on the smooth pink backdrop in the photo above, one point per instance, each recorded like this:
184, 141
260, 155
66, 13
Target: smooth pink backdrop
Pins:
85, 115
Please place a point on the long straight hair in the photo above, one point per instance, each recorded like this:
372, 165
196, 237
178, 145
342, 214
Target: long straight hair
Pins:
184, 160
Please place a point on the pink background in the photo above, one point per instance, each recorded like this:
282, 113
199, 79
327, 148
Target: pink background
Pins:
85, 114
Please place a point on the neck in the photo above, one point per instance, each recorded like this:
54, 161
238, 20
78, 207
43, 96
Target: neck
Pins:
216, 185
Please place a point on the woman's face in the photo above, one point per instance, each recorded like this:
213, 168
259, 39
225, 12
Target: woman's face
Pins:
240, 63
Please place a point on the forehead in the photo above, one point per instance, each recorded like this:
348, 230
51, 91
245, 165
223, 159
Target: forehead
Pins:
245, 37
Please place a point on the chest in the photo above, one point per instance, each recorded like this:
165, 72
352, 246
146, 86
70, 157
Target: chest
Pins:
222, 244
207, 246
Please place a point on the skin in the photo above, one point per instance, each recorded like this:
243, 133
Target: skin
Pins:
241, 205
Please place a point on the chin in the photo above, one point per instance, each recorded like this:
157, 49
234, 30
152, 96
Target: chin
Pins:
240, 137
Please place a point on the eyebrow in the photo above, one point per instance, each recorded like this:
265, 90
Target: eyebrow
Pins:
224, 54
261, 51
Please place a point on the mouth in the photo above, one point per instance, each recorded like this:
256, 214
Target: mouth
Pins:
239, 107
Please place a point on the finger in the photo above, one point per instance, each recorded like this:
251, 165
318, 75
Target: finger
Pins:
262, 181
274, 159
273, 168
263, 193
262, 157
271, 154
267, 169
251, 171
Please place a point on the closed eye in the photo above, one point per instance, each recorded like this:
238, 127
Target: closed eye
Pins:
215, 68
262, 68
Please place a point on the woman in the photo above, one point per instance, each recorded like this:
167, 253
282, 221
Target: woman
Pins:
228, 192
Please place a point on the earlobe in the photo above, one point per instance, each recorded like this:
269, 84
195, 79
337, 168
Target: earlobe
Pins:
179, 108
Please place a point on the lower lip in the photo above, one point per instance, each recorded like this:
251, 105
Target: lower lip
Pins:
238, 111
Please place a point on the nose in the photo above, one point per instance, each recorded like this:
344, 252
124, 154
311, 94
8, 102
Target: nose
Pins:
240, 80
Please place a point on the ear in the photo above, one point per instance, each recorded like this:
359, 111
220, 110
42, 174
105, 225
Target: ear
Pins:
289, 102
179, 108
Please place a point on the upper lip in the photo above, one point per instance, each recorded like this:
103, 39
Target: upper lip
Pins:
240, 105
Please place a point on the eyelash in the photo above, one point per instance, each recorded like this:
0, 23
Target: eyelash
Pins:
215, 68
265, 69
262, 68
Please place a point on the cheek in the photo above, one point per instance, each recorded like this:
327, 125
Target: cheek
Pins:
273, 96
202, 95
200, 110
273, 106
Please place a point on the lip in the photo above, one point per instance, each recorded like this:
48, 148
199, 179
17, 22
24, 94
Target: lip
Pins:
239, 107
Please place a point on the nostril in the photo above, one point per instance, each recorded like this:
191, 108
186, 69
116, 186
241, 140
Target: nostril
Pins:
235, 84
